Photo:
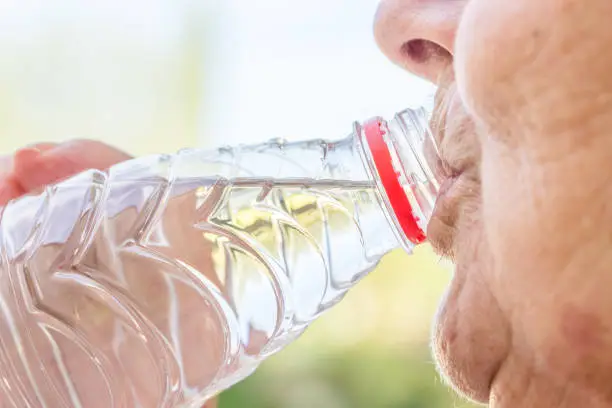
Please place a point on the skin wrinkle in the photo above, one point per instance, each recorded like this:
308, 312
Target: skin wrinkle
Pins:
445, 341
458, 159
453, 216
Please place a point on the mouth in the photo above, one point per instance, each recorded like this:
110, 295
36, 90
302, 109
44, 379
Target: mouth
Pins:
447, 186
442, 225
456, 161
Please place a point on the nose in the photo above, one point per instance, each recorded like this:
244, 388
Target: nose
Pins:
419, 35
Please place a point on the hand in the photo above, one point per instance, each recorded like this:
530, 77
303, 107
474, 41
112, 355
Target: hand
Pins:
32, 168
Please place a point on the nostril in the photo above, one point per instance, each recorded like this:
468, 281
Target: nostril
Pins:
422, 51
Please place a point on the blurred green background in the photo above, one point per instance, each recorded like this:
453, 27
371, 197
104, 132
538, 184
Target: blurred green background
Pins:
369, 351
158, 75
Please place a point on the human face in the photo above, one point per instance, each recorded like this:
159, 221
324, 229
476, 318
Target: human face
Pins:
521, 107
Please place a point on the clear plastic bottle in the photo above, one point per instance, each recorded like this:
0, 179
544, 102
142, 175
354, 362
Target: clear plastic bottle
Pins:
167, 279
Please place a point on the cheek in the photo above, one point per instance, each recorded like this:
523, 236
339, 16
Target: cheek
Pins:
533, 64
496, 40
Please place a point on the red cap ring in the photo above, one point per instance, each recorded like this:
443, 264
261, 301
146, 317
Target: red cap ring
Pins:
375, 136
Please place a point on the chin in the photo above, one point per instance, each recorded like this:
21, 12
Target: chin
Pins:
471, 336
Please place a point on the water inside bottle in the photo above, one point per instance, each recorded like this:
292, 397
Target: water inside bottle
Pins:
175, 289
170, 278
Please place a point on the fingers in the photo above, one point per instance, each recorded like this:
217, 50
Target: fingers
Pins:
40, 165
6, 161
33, 167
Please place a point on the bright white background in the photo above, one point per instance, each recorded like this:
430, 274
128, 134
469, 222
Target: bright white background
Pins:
300, 69
158, 75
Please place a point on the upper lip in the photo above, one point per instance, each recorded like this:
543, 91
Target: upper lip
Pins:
442, 225
447, 185
440, 229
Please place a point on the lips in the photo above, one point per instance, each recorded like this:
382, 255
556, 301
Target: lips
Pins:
442, 225
447, 186
457, 167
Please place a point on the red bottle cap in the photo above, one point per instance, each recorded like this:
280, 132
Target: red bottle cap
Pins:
375, 132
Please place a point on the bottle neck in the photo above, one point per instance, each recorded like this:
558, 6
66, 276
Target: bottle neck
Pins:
336, 169
390, 155
395, 153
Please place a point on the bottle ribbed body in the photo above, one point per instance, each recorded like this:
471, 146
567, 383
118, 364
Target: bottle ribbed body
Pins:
167, 279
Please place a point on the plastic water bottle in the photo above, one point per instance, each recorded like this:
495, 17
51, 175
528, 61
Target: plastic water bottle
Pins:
167, 279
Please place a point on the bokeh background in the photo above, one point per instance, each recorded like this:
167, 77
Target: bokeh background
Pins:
155, 76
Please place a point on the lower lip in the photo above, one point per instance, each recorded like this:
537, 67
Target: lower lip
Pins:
447, 186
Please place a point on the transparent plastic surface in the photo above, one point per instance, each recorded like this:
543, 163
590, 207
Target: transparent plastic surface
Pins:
168, 279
